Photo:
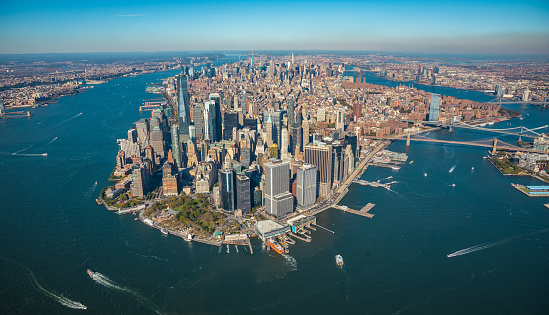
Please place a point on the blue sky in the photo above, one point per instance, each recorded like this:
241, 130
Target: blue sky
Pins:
417, 26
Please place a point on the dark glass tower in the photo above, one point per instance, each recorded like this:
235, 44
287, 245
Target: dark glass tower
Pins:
230, 121
227, 189
243, 192
183, 105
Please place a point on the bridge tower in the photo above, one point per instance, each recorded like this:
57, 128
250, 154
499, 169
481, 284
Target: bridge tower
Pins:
408, 140
494, 148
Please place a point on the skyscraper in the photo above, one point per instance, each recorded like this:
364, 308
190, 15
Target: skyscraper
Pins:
357, 110
243, 193
291, 111
276, 118
340, 120
227, 189
305, 132
230, 121
278, 199
183, 106
434, 107
321, 156
306, 185
243, 106
284, 143
296, 138
198, 112
217, 125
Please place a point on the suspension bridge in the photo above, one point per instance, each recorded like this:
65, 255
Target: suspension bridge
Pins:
494, 143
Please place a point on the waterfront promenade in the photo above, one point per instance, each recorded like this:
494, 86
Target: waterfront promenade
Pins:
339, 192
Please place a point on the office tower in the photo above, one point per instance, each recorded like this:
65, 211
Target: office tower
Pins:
198, 112
321, 156
349, 162
132, 135
269, 131
169, 181
357, 110
139, 180
351, 140
306, 185
227, 189
292, 58
183, 106
434, 107
296, 138
217, 121
250, 123
340, 120
209, 121
157, 141
230, 121
243, 106
291, 111
245, 156
337, 163
176, 150
276, 119
278, 199
284, 144
305, 132
243, 193
142, 127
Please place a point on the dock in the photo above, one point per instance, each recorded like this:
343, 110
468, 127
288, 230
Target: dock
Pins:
363, 212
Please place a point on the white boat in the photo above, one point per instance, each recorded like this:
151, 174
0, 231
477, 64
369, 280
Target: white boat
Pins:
339, 260
164, 231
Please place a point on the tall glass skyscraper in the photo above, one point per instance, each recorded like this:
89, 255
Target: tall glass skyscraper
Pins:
183, 105
434, 107
227, 189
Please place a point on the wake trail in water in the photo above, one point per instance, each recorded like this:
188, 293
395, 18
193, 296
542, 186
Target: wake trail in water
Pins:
488, 245
452, 169
52, 140
106, 282
59, 298
64, 121
91, 190
15, 153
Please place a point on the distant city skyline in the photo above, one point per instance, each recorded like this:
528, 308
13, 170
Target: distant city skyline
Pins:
411, 26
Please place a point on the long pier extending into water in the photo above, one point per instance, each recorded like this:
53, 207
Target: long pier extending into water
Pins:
363, 212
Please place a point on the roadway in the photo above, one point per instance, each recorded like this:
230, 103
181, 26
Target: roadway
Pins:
335, 195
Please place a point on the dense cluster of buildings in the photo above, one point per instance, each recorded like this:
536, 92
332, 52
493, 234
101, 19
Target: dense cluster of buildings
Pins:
511, 79
276, 132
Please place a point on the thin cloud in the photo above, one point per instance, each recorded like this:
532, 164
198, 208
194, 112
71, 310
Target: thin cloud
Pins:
131, 15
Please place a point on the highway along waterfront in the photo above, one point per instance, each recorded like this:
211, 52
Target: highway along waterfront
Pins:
395, 263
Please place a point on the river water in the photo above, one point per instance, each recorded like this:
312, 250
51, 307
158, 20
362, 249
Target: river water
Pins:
448, 199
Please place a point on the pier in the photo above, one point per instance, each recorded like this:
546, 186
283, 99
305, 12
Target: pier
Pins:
363, 212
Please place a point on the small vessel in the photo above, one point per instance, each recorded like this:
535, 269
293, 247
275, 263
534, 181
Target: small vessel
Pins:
99, 202
274, 245
90, 273
339, 260
164, 231
411, 162
472, 168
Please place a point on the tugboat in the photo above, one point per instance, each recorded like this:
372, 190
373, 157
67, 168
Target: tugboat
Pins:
339, 260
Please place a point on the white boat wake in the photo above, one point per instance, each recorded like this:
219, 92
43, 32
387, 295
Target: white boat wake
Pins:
488, 245
59, 298
452, 169
105, 281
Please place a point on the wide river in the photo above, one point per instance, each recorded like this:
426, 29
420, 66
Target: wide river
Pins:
449, 199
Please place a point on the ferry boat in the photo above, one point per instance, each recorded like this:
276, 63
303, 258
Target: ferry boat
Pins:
164, 231
339, 260
274, 245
